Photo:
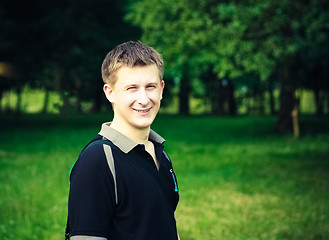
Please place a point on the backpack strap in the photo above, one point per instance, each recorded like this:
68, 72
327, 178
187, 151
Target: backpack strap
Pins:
107, 147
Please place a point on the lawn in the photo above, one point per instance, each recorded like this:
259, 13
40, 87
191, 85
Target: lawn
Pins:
238, 179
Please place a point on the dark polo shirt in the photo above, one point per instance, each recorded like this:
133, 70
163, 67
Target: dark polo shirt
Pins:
137, 204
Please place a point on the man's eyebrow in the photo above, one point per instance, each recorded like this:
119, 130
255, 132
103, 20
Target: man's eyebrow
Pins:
130, 85
148, 83
152, 83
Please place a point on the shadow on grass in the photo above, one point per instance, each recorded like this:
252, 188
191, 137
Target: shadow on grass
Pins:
194, 126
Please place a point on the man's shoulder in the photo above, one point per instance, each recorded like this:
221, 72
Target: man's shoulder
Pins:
91, 160
93, 151
94, 142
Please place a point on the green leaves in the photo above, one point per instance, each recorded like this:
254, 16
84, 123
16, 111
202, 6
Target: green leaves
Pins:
244, 36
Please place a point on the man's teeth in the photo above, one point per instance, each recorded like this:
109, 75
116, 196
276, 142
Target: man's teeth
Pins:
142, 111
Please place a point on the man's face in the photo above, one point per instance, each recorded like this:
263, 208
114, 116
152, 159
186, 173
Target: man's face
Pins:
136, 96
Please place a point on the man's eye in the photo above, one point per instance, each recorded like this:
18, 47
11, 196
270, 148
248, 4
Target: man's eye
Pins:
131, 88
151, 86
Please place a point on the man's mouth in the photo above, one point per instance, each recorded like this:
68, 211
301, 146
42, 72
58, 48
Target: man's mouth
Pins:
142, 110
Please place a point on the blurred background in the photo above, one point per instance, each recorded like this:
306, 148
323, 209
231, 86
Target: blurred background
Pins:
247, 81
222, 57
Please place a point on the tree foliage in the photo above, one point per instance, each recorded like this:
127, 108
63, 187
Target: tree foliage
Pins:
267, 39
235, 36
60, 45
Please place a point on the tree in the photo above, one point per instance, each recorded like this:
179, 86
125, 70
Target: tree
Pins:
20, 42
261, 37
80, 34
60, 45
315, 71
168, 26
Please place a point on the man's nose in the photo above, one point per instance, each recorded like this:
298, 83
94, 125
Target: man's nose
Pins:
143, 98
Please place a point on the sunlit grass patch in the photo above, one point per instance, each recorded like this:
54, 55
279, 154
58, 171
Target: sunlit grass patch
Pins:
238, 179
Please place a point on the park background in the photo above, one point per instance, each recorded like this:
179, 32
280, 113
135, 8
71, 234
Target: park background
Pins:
245, 110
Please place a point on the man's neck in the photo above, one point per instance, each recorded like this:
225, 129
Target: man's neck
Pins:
140, 136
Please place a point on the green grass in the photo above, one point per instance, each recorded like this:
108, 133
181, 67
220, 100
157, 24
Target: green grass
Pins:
238, 179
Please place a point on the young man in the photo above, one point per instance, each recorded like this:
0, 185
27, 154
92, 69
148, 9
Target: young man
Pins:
123, 185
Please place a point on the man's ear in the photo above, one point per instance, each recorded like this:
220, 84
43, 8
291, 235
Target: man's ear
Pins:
108, 90
162, 87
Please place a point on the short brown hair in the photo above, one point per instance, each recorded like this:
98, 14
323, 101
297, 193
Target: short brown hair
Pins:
130, 54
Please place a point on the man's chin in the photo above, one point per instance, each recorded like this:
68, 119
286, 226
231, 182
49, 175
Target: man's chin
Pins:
143, 124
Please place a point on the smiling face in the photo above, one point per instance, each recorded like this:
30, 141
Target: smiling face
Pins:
135, 96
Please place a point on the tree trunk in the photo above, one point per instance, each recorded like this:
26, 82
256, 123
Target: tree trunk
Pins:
65, 109
318, 101
184, 92
226, 104
231, 99
19, 100
287, 103
46, 101
98, 98
295, 122
213, 87
78, 88
272, 108
287, 73
327, 100
215, 96
1, 95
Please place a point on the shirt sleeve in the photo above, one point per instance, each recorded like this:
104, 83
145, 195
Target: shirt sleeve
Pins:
91, 198
87, 238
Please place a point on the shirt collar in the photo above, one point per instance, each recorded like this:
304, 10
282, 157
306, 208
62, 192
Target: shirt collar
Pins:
123, 142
